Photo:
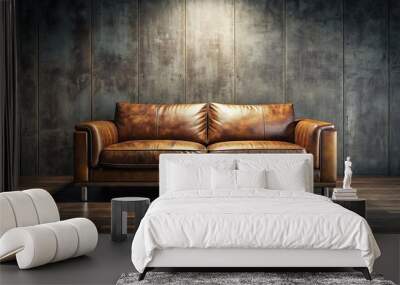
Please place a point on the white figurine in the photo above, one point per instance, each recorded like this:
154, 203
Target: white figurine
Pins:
347, 174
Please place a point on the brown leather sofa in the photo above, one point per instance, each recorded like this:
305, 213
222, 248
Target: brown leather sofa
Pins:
126, 151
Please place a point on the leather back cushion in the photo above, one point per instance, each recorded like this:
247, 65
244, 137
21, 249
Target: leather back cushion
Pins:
165, 121
278, 120
136, 121
183, 122
228, 122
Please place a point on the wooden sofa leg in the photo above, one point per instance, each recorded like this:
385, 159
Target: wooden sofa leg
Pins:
142, 275
365, 272
84, 194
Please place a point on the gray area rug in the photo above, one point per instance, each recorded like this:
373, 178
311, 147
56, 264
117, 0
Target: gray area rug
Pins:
225, 278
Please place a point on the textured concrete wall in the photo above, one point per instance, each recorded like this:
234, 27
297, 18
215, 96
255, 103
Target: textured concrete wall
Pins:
336, 60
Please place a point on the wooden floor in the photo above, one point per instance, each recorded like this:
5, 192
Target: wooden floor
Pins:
383, 202
382, 195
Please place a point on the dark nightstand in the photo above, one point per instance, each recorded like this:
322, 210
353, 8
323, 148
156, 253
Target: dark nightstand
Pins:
357, 206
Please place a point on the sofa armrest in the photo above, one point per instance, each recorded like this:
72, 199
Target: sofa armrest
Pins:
328, 158
100, 135
81, 156
319, 138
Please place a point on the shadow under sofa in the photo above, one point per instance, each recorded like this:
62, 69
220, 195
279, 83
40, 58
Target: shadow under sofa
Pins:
125, 151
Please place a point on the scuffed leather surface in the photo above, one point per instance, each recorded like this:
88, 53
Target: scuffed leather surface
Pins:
231, 128
101, 134
183, 122
136, 121
307, 134
144, 152
328, 163
278, 119
163, 121
255, 146
228, 122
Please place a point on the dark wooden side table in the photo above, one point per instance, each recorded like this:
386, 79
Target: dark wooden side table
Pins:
119, 214
357, 205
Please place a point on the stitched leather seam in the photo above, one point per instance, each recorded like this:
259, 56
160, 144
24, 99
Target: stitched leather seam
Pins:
207, 123
131, 165
261, 151
257, 149
263, 119
321, 165
158, 149
157, 120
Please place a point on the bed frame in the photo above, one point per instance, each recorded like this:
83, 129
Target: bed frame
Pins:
245, 258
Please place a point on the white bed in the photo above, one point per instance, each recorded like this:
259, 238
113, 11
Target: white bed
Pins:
251, 226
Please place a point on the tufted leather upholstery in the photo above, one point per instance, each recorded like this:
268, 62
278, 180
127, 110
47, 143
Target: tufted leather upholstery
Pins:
124, 149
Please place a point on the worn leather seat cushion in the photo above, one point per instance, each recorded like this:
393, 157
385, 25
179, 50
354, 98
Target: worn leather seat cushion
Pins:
256, 146
145, 152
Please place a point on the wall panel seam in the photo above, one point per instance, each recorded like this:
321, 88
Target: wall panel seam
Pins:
138, 52
339, 27
92, 5
344, 117
389, 137
185, 27
234, 52
284, 46
19, 84
37, 23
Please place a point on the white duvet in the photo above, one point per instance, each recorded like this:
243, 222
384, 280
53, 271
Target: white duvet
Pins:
250, 219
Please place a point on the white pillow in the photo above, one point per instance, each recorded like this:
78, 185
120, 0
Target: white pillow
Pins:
284, 174
188, 177
227, 179
223, 179
251, 179
293, 179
